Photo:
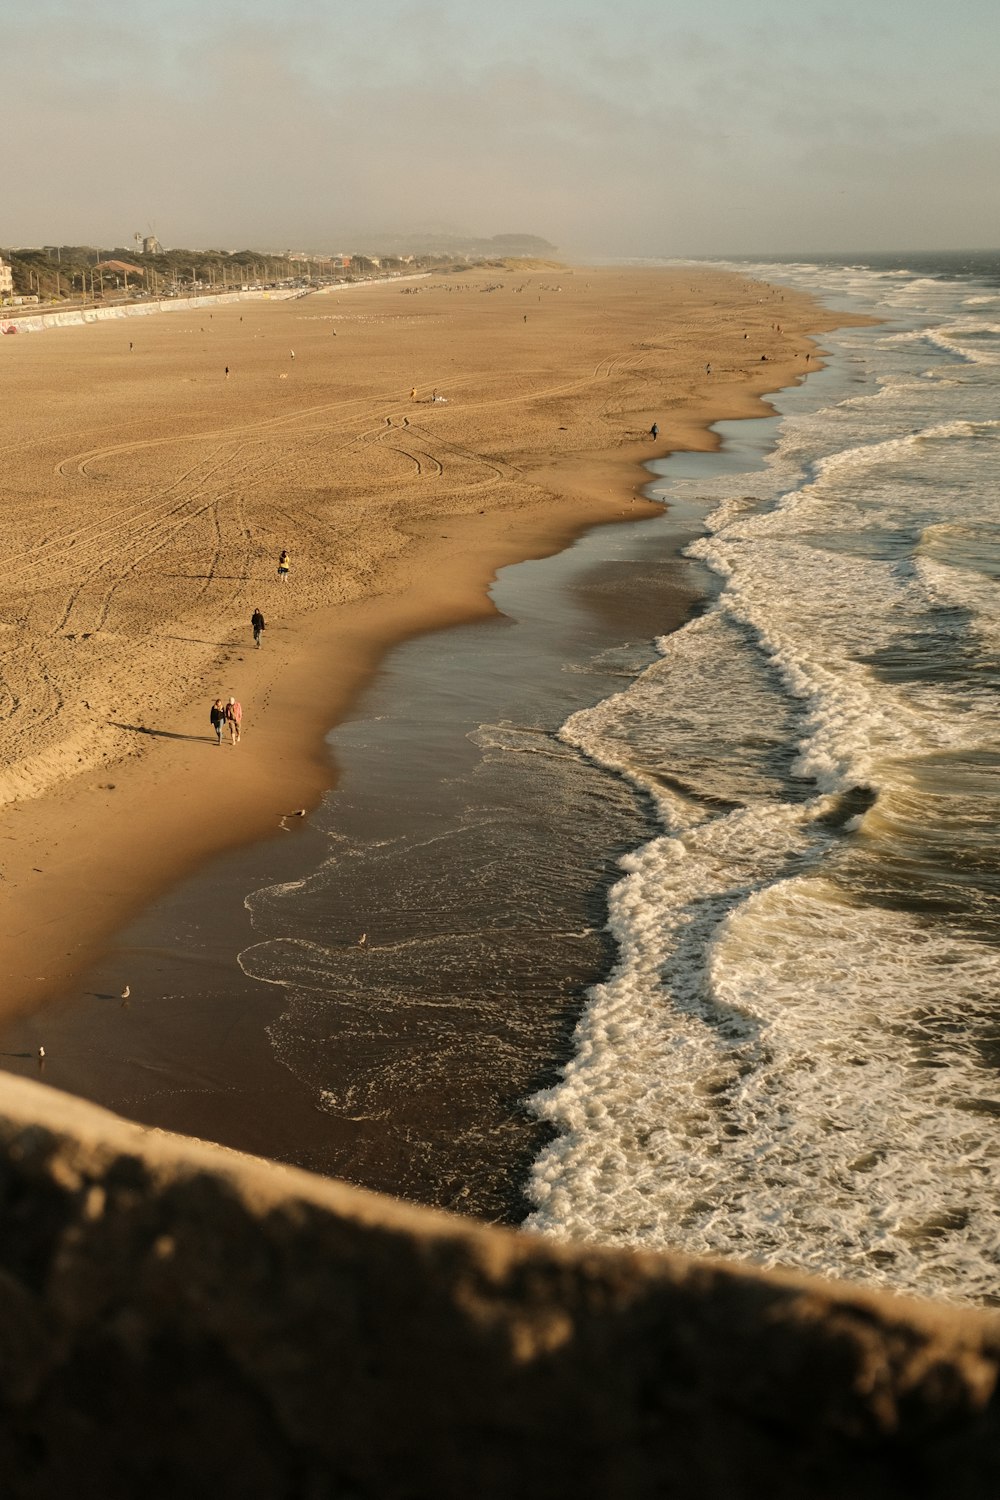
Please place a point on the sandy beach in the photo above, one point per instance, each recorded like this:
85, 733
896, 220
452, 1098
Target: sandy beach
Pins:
147, 494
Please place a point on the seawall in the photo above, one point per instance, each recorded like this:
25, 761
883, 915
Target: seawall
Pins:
73, 317
179, 1319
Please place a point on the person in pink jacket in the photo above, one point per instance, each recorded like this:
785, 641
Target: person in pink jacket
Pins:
234, 718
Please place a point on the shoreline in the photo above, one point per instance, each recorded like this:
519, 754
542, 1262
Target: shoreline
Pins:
436, 841
104, 851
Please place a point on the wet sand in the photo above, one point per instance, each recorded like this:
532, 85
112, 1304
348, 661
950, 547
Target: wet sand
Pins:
148, 497
478, 880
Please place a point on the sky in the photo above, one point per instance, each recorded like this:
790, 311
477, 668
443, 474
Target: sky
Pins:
609, 127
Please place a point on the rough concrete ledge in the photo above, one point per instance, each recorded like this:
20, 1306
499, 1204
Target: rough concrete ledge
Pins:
177, 1320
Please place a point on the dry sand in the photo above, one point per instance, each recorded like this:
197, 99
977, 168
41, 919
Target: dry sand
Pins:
146, 496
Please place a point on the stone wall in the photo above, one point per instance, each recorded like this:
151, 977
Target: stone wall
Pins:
180, 1321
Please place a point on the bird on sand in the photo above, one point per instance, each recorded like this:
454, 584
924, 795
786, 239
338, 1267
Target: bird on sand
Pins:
125, 993
363, 940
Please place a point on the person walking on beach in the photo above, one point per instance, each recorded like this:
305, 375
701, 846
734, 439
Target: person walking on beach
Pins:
217, 715
654, 432
234, 718
257, 622
283, 566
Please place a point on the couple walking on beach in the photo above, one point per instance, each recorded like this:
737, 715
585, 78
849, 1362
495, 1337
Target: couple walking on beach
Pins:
230, 713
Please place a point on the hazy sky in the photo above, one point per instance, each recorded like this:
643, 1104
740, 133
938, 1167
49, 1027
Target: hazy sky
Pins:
616, 127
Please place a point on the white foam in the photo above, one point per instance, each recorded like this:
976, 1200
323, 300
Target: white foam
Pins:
777, 1067
959, 339
774, 1075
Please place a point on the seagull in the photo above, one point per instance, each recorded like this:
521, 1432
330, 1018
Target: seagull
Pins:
41, 1057
363, 940
126, 992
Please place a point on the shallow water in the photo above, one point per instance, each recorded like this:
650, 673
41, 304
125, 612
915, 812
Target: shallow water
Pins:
473, 851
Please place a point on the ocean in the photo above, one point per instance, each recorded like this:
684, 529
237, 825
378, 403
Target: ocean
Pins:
794, 1056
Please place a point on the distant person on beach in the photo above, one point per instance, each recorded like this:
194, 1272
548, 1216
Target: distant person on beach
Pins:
257, 622
234, 718
283, 566
654, 432
217, 714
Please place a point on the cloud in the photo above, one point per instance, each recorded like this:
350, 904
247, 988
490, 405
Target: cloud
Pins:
642, 128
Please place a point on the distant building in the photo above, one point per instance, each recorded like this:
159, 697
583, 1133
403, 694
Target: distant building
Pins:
6, 281
151, 245
121, 266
